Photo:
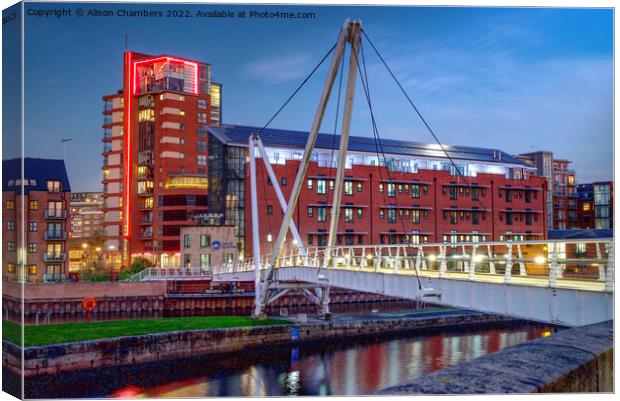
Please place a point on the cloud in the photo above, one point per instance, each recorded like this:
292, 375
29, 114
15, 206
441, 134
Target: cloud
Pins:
276, 70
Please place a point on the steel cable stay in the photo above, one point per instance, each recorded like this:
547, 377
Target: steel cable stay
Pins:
273, 117
430, 130
379, 146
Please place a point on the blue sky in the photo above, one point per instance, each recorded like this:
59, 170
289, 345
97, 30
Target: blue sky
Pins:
514, 79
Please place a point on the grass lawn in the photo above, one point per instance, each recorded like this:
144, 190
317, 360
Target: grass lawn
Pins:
79, 331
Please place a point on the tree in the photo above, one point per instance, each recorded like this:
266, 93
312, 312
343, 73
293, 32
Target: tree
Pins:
138, 264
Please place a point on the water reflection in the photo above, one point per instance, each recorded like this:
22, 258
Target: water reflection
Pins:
356, 368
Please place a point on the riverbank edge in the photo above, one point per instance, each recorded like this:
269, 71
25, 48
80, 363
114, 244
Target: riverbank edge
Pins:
576, 360
118, 351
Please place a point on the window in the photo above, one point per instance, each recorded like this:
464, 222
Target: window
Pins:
187, 242
205, 260
321, 213
453, 195
283, 181
10, 204
381, 213
202, 160
10, 246
360, 213
309, 184
310, 211
228, 258
391, 190
10, 267
202, 104
348, 188
391, 215
205, 240
415, 216
380, 187
33, 226
415, 191
359, 187
53, 185
331, 185
475, 193
348, 215
320, 187
33, 205
202, 118
509, 218
400, 188
201, 146
32, 247
508, 195
310, 239
454, 217
32, 269
269, 209
10, 225
475, 218
269, 238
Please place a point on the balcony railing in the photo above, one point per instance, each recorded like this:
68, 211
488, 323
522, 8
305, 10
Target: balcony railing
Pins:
54, 277
54, 256
55, 235
145, 234
55, 214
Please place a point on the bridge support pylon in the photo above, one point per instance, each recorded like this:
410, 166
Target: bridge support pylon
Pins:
350, 34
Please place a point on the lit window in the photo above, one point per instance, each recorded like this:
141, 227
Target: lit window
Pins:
33, 226
309, 184
348, 215
202, 160
202, 104
32, 269
10, 225
10, 246
10, 204
205, 240
348, 188
321, 187
187, 242
269, 239
10, 267
202, 118
32, 247
53, 185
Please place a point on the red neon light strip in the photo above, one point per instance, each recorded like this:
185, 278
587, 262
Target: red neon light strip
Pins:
168, 59
129, 166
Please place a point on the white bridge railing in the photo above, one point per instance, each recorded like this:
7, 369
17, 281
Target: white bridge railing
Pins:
572, 261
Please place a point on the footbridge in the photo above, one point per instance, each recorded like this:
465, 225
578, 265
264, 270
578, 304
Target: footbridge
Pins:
563, 282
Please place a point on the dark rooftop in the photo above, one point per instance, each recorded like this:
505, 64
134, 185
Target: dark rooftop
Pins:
36, 173
239, 135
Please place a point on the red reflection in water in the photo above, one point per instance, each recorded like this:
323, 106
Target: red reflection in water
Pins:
358, 368
128, 392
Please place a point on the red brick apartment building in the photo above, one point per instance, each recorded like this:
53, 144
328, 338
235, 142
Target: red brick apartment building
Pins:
155, 154
418, 197
562, 198
42, 194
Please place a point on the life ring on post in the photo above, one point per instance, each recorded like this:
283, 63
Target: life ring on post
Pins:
88, 304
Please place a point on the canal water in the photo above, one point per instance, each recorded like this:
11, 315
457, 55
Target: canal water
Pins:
347, 367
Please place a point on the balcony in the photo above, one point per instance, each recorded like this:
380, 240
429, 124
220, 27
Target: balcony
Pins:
145, 234
55, 235
107, 134
145, 221
53, 214
54, 277
54, 256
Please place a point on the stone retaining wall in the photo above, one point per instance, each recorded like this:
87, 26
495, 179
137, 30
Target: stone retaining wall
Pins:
164, 346
574, 360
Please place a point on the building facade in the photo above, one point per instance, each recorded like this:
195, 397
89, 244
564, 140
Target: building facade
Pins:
35, 219
86, 215
417, 197
206, 245
596, 205
155, 155
562, 198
